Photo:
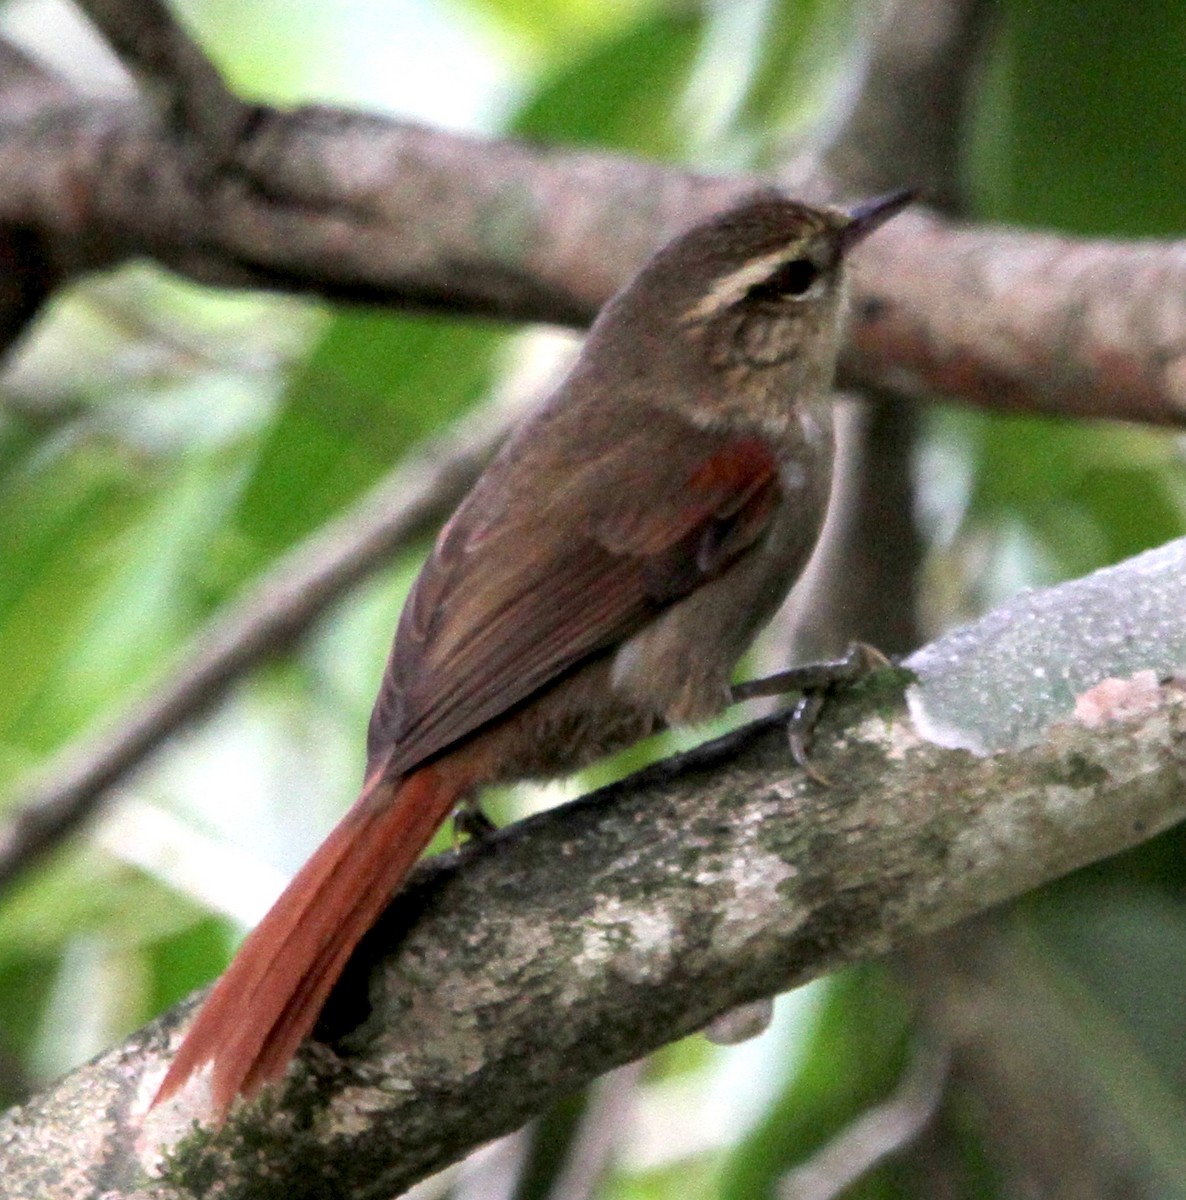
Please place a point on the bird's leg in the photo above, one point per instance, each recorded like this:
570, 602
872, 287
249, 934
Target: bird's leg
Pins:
815, 681
859, 659
470, 821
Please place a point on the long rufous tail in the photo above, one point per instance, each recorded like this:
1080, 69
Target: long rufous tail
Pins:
269, 998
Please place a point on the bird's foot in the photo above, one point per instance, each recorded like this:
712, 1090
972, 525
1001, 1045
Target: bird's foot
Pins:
859, 659
815, 681
469, 821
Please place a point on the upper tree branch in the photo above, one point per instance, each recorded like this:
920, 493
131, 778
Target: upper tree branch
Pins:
27, 274
360, 208
1025, 321
174, 71
594, 933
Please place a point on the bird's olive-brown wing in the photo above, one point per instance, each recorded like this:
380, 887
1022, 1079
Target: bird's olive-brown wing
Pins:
504, 607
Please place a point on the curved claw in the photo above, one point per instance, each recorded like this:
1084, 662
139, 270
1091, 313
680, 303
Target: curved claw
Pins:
814, 680
800, 727
859, 660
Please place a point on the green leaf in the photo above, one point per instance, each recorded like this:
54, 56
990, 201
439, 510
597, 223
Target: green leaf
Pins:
83, 890
1111, 957
1080, 121
622, 92
26, 981
57, 526
768, 69
1088, 494
98, 543
1124, 944
554, 29
372, 386
187, 959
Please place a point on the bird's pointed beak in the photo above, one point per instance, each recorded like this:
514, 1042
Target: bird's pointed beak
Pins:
869, 215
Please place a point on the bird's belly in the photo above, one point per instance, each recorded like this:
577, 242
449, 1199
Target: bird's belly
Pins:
680, 666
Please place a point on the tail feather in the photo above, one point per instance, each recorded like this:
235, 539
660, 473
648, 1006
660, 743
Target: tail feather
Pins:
269, 998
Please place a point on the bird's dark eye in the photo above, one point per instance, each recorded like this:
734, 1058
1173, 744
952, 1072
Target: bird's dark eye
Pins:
792, 278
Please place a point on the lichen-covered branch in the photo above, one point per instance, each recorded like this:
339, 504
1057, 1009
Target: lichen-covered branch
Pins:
588, 936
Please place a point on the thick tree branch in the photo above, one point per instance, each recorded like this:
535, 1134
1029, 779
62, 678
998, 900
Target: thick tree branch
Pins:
282, 605
586, 937
354, 208
1002, 319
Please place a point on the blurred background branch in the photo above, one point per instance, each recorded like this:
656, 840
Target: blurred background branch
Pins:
884, 1130
415, 499
333, 203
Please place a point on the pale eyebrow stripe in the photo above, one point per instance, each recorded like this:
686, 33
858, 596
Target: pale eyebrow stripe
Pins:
730, 288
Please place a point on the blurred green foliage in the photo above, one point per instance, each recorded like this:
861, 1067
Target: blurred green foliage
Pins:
856, 1051
624, 91
368, 390
160, 446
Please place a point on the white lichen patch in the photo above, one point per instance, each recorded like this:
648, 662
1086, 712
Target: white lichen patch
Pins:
163, 1126
352, 1113
635, 944
1065, 804
987, 848
750, 884
981, 849
432, 1029
896, 738
787, 789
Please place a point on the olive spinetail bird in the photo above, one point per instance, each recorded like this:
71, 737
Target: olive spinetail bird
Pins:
599, 582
